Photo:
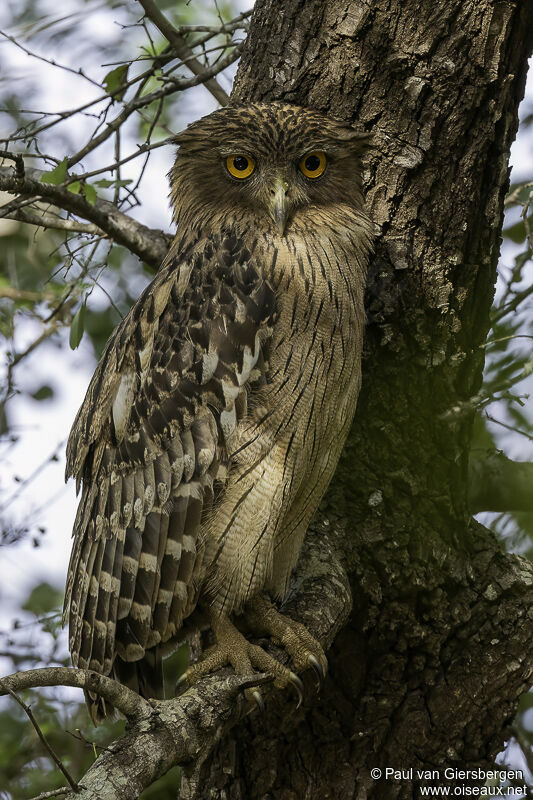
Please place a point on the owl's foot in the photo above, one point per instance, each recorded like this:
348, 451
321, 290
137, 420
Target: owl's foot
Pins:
262, 617
232, 648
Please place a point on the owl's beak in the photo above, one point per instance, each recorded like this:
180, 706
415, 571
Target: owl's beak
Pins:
279, 204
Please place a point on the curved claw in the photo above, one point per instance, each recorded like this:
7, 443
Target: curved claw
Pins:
258, 697
317, 666
295, 681
181, 682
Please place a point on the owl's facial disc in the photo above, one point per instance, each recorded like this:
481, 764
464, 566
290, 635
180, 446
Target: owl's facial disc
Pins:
278, 203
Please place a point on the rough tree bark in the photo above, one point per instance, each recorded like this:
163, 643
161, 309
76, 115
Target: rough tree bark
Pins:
428, 669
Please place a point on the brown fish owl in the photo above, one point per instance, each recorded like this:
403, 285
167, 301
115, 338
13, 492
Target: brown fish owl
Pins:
216, 416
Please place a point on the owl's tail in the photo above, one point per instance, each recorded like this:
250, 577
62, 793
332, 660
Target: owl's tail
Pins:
144, 676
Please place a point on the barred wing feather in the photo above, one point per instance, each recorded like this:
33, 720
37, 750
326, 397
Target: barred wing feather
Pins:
149, 449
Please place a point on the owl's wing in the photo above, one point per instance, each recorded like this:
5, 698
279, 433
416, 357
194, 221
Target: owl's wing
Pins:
148, 446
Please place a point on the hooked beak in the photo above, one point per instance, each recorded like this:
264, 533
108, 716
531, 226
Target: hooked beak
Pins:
279, 204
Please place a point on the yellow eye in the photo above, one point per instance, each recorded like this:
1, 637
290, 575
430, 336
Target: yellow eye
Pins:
240, 166
313, 164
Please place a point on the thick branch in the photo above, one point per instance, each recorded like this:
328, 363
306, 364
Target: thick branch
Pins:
499, 484
182, 49
149, 244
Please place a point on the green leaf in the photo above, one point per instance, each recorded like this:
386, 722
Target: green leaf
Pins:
115, 79
77, 327
57, 175
43, 599
74, 187
90, 193
516, 233
44, 392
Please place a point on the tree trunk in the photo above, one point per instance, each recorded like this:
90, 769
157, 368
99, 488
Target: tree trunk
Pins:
427, 672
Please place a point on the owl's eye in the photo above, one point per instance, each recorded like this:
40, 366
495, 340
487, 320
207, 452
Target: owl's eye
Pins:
240, 166
313, 164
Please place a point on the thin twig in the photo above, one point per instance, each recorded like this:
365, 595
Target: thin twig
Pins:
226, 27
81, 738
512, 305
48, 331
41, 736
182, 49
78, 72
172, 85
506, 339
52, 328
53, 793
43, 220
25, 296
509, 427
18, 203
513, 198
54, 457
143, 148
116, 196
17, 158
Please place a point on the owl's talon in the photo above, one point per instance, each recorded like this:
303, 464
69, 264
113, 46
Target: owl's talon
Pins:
304, 650
258, 699
297, 684
233, 649
182, 681
318, 668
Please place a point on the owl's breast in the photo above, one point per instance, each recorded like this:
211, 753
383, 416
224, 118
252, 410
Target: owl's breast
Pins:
314, 359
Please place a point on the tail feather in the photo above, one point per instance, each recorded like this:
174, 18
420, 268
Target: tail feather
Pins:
144, 677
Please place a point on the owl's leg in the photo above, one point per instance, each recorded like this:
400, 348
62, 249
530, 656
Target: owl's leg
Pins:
232, 648
262, 618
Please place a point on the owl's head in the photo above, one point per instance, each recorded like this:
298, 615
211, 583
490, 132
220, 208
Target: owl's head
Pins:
267, 164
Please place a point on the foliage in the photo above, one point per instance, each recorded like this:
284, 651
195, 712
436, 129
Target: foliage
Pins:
504, 420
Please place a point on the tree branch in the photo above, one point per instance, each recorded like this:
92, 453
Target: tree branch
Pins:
148, 244
53, 793
22, 295
499, 484
128, 702
43, 220
170, 86
182, 49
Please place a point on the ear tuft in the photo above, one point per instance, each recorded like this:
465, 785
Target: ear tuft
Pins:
195, 134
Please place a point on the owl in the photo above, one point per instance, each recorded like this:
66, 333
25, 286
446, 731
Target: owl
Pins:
215, 419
